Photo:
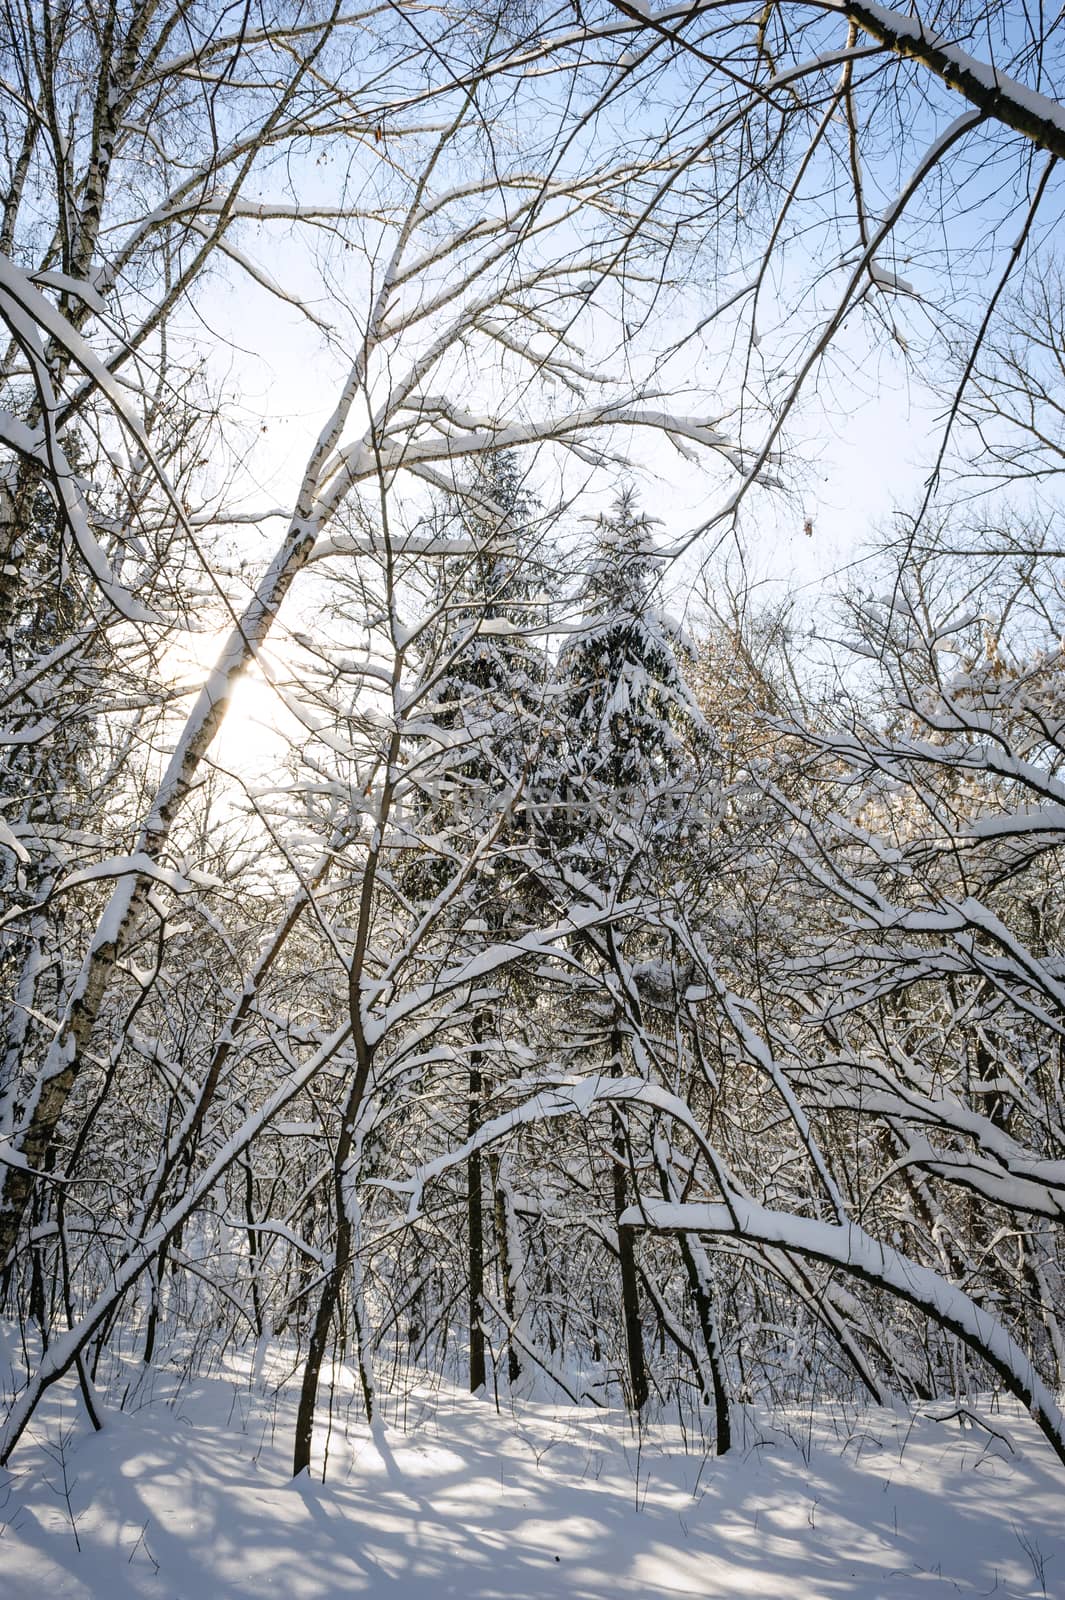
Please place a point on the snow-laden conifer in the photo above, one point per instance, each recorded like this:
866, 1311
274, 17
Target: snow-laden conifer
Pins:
629, 733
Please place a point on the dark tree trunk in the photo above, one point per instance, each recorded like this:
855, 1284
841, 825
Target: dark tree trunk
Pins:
506, 1266
338, 1269
704, 1310
475, 1213
630, 1295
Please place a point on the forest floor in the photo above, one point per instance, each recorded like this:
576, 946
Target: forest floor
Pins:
185, 1495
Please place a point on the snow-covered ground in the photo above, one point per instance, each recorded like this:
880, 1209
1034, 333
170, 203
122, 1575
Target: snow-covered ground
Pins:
185, 1495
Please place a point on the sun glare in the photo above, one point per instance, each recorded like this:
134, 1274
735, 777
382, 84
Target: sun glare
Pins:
258, 728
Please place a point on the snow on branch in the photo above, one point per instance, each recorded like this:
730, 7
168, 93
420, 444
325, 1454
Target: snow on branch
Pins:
849, 1246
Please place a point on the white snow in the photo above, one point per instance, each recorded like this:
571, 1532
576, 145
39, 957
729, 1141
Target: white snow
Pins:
850, 1247
73, 286
889, 280
186, 1496
899, 25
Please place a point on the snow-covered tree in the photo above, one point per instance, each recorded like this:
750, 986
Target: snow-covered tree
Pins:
629, 728
481, 696
621, 780
472, 754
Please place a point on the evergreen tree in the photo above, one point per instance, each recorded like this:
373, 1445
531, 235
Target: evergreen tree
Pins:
629, 726
627, 757
50, 802
479, 727
484, 675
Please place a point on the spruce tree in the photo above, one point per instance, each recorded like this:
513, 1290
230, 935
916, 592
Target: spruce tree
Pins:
627, 755
629, 725
485, 673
